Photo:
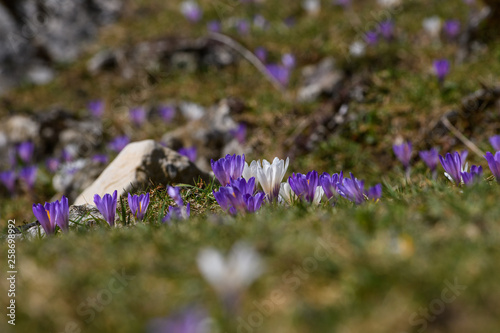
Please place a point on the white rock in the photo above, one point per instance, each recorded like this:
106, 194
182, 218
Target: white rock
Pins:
139, 165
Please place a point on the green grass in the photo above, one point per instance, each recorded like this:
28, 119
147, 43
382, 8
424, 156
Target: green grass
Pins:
385, 263
367, 267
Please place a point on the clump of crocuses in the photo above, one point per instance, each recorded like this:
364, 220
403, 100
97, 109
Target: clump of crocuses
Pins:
330, 184
239, 196
107, 206
306, 187
138, 205
53, 214
353, 189
455, 168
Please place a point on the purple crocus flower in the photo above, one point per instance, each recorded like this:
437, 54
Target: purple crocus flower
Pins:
137, 116
175, 193
386, 29
191, 10
280, 73
330, 183
222, 196
240, 133
189, 152
371, 37
25, 151
352, 189
254, 202
495, 142
243, 27
261, 53
452, 164
167, 113
96, 108
452, 28
227, 168
260, 22
8, 179
304, 186
107, 206
52, 214
463, 157
494, 164
430, 158
28, 175
288, 60
441, 69
118, 143
473, 176
190, 320
66, 155
138, 205
62, 219
52, 164
403, 153
100, 158
343, 3
241, 186
290, 21
177, 213
214, 26
374, 193
238, 196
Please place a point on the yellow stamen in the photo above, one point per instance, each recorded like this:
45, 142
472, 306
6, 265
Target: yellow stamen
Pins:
48, 214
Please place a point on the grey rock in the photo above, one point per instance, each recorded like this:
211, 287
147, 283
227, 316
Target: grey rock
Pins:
210, 134
73, 177
34, 34
40, 75
164, 54
101, 61
21, 128
319, 79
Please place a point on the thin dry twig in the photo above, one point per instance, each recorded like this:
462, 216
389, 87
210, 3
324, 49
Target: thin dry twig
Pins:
245, 53
461, 137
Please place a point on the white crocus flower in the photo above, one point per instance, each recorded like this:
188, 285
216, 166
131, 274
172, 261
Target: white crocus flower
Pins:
432, 25
312, 7
250, 171
230, 276
271, 175
357, 49
389, 3
286, 193
268, 175
318, 194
